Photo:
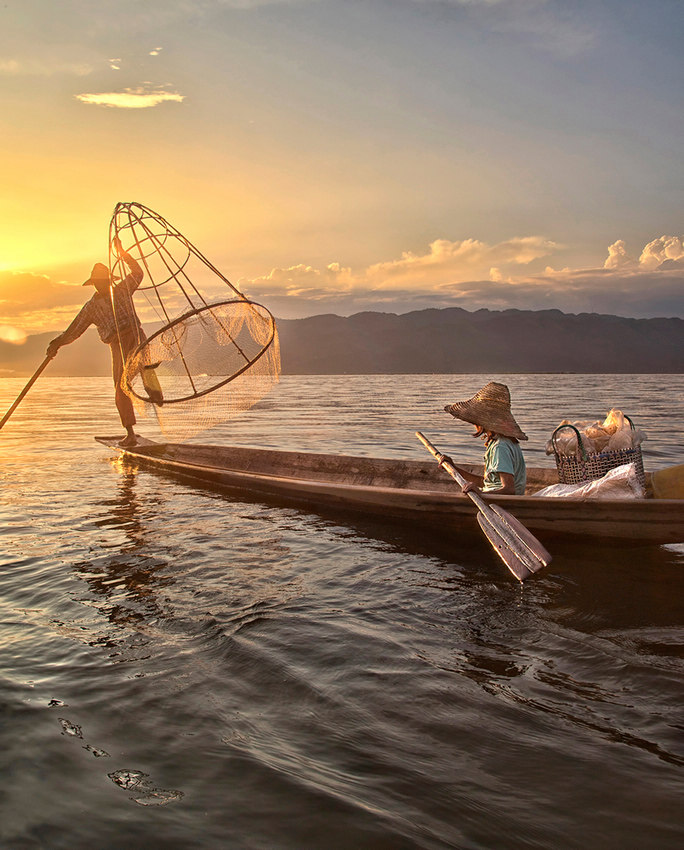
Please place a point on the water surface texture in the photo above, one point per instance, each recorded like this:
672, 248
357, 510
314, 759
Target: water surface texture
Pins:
185, 668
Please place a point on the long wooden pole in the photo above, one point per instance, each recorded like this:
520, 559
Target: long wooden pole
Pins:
28, 386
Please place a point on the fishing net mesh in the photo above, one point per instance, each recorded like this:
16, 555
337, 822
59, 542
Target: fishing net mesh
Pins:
202, 354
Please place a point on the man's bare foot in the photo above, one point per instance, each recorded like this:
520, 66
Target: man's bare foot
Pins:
128, 440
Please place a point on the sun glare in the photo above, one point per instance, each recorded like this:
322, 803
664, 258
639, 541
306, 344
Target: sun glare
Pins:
13, 335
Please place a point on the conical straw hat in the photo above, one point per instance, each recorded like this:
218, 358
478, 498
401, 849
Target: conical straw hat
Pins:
99, 274
490, 408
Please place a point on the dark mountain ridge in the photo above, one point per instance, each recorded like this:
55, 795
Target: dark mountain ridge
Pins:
450, 340
453, 340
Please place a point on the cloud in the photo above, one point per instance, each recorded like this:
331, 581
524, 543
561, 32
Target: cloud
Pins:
156, 51
137, 98
36, 302
618, 256
444, 263
624, 293
665, 252
472, 275
469, 274
305, 281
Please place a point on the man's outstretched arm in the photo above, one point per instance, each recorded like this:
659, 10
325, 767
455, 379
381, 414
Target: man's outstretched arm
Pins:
78, 326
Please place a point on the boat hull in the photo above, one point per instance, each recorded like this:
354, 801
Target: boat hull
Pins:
406, 490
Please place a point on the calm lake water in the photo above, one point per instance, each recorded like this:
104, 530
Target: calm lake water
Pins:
183, 668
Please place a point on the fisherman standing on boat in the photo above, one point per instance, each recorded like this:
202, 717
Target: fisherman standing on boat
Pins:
504, 466
112, 312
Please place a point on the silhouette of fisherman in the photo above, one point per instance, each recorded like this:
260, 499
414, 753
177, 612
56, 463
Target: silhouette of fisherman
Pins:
112, 312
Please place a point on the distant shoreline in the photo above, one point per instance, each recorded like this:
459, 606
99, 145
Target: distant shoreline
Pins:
427, 342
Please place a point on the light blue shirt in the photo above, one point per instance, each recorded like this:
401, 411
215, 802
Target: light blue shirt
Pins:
503, 455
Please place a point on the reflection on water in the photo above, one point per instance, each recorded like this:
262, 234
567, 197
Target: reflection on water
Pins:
128, 580
200, 670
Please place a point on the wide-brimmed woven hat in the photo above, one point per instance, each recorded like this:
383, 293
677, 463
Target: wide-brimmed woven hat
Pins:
99, 274
490, 408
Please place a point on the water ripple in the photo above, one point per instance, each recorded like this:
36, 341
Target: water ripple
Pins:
203, 670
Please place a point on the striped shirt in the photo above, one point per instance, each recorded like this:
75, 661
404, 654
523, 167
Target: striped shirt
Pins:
99, 311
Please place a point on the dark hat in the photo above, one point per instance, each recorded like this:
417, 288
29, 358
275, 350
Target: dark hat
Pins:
99, 274
490, 408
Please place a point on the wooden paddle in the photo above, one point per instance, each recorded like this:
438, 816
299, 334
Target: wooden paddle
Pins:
517, 547
21, 395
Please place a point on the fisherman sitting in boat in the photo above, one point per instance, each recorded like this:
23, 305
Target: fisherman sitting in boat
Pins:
123, 332
504, 466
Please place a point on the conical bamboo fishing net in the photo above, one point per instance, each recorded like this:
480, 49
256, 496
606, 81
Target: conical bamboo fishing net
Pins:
207, 351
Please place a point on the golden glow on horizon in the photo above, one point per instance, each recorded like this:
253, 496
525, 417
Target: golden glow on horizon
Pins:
330, 162
449, 274
13, 335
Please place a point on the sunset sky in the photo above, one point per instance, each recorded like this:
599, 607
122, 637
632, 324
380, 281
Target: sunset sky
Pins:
348, 155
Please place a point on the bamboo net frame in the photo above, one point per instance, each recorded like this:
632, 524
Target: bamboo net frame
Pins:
202, 356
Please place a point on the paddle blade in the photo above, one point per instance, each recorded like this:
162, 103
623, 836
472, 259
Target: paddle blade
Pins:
524, 536
517, 547
520, 566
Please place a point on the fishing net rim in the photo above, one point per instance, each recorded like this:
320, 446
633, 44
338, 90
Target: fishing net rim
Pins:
188, 315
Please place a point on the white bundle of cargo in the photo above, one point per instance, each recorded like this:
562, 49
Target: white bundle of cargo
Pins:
621, 482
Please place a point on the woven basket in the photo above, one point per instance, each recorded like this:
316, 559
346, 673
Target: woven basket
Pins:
585, 466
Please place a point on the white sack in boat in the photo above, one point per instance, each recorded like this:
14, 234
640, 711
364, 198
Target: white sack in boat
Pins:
621, 482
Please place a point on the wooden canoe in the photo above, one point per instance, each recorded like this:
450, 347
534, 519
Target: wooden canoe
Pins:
406, 490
